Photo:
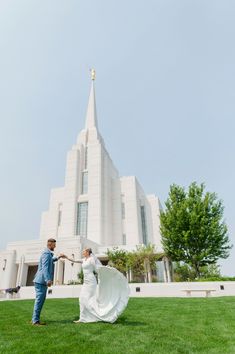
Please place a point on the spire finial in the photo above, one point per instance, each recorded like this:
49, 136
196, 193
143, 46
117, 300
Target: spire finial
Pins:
93, 74
91, 121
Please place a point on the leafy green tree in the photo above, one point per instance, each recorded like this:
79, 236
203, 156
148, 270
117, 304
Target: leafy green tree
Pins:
192, 227
210, 271
147, 257
81, 277
184, 272
118, 258
139, 263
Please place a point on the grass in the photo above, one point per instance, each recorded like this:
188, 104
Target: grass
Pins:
148, 325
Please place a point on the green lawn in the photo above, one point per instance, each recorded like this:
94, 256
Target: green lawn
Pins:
148, 325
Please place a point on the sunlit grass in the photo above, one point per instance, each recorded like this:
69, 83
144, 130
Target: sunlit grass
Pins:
153, 325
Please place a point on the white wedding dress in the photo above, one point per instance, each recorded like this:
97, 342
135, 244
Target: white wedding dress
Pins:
106, 300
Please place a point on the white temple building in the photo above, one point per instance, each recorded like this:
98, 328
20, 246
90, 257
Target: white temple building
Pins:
95, 208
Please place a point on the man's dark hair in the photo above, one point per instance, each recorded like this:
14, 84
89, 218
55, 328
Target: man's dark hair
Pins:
51, 240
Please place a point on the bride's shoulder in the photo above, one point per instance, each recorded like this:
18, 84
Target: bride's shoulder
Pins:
91, 260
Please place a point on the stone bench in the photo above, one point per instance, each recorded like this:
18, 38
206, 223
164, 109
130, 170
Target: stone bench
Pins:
206, 291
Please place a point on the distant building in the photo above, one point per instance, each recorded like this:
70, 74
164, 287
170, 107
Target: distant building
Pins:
95, 208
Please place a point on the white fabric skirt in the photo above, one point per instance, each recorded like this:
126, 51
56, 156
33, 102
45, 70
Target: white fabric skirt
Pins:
105, 301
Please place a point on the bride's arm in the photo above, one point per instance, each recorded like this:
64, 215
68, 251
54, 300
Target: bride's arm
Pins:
73, 260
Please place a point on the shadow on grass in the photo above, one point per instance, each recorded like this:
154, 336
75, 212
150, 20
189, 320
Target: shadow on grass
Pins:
124, 322
121, 321
67, 321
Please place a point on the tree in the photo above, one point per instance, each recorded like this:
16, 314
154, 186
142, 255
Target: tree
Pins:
192, 227
184, 272
146, 256
141, 262
119, 259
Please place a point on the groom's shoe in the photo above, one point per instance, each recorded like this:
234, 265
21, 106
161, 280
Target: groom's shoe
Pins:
38, 323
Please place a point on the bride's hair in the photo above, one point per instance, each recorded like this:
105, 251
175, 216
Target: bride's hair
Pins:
89, 250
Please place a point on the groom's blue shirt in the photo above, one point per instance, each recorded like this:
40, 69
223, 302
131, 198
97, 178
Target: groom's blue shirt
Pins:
45, 267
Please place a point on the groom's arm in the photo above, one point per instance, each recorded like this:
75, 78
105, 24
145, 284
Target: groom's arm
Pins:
45, 266
55, 259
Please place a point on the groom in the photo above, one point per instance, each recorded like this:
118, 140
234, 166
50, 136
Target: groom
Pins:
43, 279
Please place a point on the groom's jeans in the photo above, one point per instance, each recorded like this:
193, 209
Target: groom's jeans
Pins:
41, 292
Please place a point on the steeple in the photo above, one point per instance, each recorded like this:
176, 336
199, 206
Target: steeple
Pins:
91, 132
91, 119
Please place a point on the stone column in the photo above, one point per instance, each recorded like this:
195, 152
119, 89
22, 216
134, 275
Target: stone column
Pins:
167, 273
22, 272
60, 271
9, 269
18, 274
130, 275
168, 270
55, 273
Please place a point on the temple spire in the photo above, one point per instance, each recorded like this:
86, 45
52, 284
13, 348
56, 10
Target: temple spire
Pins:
91, 119
93, 74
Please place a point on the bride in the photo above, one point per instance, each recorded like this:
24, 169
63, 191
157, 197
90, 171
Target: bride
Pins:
105, 301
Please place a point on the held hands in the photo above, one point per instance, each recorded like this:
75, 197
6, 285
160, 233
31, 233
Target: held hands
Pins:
61, 255
49, 283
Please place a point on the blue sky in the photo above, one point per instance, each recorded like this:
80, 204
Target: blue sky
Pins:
165, 94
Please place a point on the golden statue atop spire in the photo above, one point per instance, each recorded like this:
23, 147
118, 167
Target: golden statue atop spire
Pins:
93, 74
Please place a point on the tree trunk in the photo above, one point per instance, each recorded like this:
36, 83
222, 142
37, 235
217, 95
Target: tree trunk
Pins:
197, 269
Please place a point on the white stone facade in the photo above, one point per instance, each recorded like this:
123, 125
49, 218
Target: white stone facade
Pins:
95, 208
